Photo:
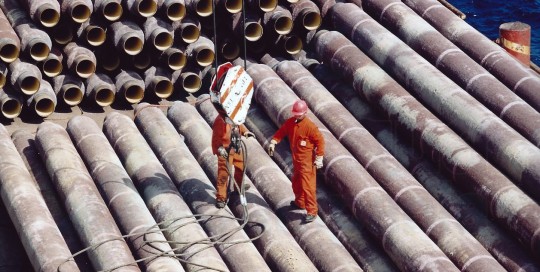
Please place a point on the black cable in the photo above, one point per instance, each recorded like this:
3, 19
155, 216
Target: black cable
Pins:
215, 36
244, 26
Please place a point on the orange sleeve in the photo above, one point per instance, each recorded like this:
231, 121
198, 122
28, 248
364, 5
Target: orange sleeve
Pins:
282, 131
218, 130
317, 139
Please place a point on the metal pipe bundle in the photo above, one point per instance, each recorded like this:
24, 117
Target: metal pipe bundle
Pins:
80, 60
158, 33
279, 21
78, 10
70, 88
235, 248
360, 191
10, 103
87, 210
127, 206
160, 194
29, 213
127, 36
201, 51
174, 10
25, 77
10, 44
43, 101
189, 79
521, 80
159, 81
306, 14
188, 30
174, 58
276, 244
101, 89
129, 86
478, 125
503, 200
92, 32
452, 238
503, 247
52, 65
276, 189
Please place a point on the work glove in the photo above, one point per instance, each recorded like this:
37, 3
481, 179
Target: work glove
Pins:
223, 152
271, 147
248, 134
318, 162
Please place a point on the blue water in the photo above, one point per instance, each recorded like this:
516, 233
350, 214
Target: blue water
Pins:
487, 15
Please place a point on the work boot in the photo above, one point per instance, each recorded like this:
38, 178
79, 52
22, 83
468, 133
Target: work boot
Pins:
310, 218
220, 204
294, 206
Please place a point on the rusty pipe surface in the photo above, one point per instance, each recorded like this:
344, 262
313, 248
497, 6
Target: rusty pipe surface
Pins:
70, 88
44, 12
130, 86
251, 28
235, 247
450, 60
141, 8
80, 60
276, 244
278, 21
29, 213
276, 189
158, 33
3, 74
160, 194
228, 48
451, 237
201, 51
44, 100
499, 243
289, 44
486, 132
25, 77
82, 200
174, 58
504, 201
111, 10
305, 13
52, 65
159, 81
10, 44
367, 200
34, 42
188, 79
10, 103
201, 8
12, 254
92, 32
518, 78
352, 233
187, 30
101, 89
174, 10
127, 36
78, 10
125, 203
26, 146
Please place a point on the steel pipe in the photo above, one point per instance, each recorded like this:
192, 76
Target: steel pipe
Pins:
289, 44
367, 200
500, 197
451, 237
10, 44
92, 32
78, 10
70, 88
158, 33
229, 48
201, 51
100, 88
52, 65
189, 79
126, 205
174, 10
127, 36
251, 29
130, 86
29, 213
202, 8
44, 12
80, 60
160, 194
488, 133
10, 103
235, 247
3, 74
174, 58
34, 41
188, 30
520, 79
278, 21
12, 254
26, 146
277, 245
43, 101
87, 210
306, 14
24, 77
159, 81
111, 10
499, 243
231, 6
141, 8
263, 5
276, 189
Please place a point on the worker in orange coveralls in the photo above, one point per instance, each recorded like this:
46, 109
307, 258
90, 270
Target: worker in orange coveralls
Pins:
307, 147
221, 146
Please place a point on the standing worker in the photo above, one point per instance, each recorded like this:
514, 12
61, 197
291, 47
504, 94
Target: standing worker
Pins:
307, 147
225, 145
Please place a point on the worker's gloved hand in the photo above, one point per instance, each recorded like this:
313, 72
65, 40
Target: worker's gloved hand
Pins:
248, 134
271, 147
223, 152
318, 162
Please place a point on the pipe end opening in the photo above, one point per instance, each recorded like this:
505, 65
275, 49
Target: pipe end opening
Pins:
96, 36
112, 11
163, 41
233, 6
9, 53
204, 8
85, 68
312, 21
254, 32
176, 12
44, 107
39, 51
52, 67
11, 109
134, 94
29, 85
73, 96
49, 17
190, 34
147, 8
80, 13
268, 5
205, 57
283, 25
133, 46
293, 45
104, 97
230, 51
164, 89
177, 61
191, 82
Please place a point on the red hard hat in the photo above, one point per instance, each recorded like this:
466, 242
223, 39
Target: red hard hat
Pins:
299, 107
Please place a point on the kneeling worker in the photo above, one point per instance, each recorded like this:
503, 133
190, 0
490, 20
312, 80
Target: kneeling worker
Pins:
307, 147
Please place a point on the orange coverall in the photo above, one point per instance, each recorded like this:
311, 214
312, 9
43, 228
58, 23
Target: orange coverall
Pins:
306, 142
221, 136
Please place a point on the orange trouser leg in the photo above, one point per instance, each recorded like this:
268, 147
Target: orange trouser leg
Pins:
304, 185
235, 161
